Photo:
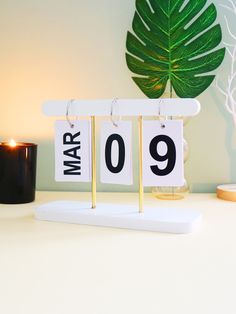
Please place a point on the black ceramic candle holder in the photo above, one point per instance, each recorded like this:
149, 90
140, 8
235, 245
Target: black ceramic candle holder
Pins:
17, 172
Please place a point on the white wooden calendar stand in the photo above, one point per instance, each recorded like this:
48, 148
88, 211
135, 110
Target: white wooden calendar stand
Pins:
109, 214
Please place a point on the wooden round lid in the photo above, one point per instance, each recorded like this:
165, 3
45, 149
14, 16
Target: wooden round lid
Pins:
227, 192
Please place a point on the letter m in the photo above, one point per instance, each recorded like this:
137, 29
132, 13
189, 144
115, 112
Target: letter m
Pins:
74, 168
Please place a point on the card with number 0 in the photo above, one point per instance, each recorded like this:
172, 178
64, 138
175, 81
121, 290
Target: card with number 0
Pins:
116, 153
163, 153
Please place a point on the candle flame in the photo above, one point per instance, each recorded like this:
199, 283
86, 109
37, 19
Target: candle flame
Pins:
12, 143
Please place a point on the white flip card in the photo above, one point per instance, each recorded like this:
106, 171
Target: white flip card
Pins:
116, 153
163, 163
73, 151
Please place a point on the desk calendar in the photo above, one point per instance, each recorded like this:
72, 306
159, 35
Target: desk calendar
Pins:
160, 160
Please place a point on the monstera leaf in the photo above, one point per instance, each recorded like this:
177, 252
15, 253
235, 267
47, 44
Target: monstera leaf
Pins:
174, 40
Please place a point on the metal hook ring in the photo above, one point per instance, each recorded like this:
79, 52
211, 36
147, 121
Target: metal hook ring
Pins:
70, 102
114, 101
159, 113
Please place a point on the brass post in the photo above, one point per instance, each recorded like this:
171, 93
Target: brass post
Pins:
94, 179
140, 126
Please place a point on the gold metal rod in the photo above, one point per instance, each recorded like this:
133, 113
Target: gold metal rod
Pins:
94, 179
140, 127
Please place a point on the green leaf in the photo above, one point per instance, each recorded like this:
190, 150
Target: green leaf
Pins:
177, 41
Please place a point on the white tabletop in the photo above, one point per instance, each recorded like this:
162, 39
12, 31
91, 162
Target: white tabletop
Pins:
53, 268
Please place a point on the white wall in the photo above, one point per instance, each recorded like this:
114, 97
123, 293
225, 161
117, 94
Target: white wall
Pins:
76, 49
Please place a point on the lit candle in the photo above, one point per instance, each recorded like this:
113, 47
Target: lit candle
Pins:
17, 172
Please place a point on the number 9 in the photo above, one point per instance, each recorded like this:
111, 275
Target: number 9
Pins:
170, 155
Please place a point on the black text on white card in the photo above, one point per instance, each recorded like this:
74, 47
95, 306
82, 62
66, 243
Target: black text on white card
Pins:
116, 153
73, 151
163, 153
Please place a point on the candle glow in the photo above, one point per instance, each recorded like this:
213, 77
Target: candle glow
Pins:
12, 143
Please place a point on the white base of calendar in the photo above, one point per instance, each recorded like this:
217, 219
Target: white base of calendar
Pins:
120, 216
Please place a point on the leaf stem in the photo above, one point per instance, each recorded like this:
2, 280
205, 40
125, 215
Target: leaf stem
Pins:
171, 90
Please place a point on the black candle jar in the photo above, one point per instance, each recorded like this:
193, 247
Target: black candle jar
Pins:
17, 172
